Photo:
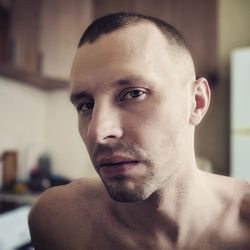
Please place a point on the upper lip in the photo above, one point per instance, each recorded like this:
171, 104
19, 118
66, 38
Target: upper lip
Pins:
104, 161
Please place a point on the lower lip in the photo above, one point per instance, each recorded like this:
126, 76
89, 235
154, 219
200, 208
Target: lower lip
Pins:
117, 169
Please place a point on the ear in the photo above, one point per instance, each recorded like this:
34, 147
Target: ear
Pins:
201, 100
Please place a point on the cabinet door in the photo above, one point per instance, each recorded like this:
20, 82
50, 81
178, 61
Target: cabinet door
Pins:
62, 23
25, 34
240, 113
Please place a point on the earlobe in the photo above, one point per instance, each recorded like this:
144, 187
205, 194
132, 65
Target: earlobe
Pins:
201, 100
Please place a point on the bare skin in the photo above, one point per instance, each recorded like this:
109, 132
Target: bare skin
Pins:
82, 216
138, 103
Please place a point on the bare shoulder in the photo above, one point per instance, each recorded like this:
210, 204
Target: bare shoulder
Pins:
227, 188
81, 191
244, 215
59, 210
233, 196
244, 207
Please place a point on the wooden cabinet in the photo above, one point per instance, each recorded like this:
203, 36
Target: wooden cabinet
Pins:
4, 36
44, 34
61, 25
24, 35
43, 40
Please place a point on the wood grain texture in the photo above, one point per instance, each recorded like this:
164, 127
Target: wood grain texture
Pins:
62, 23
25, 34
32, 79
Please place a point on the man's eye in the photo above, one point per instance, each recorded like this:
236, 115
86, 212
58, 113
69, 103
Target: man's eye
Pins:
133, 94
85, 106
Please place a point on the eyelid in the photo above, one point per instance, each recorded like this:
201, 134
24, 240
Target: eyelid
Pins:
84, 102
128, 90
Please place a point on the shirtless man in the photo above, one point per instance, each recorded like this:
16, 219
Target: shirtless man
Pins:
138, 101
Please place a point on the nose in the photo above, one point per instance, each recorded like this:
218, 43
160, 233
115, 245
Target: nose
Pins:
105, 125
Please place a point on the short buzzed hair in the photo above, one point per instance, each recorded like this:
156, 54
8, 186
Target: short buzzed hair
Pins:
115, 21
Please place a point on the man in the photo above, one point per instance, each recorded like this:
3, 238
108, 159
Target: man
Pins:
138, 101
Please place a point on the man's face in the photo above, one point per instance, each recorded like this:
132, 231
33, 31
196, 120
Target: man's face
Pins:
133, 110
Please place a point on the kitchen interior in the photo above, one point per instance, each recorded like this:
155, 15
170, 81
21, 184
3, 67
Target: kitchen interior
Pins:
39, 143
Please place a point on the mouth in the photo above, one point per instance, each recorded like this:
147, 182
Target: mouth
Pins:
116, 166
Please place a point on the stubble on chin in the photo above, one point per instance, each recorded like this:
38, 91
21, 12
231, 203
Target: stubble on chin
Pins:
121, 189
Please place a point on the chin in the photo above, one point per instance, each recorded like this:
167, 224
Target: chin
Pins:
123, 190
124, 196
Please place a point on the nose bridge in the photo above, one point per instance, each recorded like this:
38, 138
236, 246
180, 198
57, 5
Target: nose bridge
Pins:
105, 122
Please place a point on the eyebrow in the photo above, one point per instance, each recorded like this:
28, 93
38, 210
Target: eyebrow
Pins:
127, 81
74, 97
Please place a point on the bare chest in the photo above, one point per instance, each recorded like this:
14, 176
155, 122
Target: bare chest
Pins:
226, 232
229, 235
107, 237
101, 231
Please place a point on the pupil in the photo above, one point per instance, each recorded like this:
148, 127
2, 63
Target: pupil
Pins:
90, 105
135, 93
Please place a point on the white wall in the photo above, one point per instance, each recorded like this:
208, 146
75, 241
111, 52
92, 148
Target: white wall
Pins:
69, 154
22, 121
240, 115
33, 121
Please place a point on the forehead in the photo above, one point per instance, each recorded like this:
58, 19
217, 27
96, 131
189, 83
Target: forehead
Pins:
133, 50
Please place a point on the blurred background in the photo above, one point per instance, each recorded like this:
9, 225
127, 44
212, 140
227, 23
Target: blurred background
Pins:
39, 142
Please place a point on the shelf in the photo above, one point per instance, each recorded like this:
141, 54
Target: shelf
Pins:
32, 79
30, 198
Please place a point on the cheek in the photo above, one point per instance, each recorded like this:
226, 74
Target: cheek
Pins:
83, 130
163, 128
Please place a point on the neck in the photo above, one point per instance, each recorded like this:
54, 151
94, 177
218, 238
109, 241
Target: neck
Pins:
170, 209
172, 198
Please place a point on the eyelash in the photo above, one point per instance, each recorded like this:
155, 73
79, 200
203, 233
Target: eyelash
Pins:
140, 93
79, 107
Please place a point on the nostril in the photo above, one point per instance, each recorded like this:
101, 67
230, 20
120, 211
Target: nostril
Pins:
105, 123
110, 135
104, 134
